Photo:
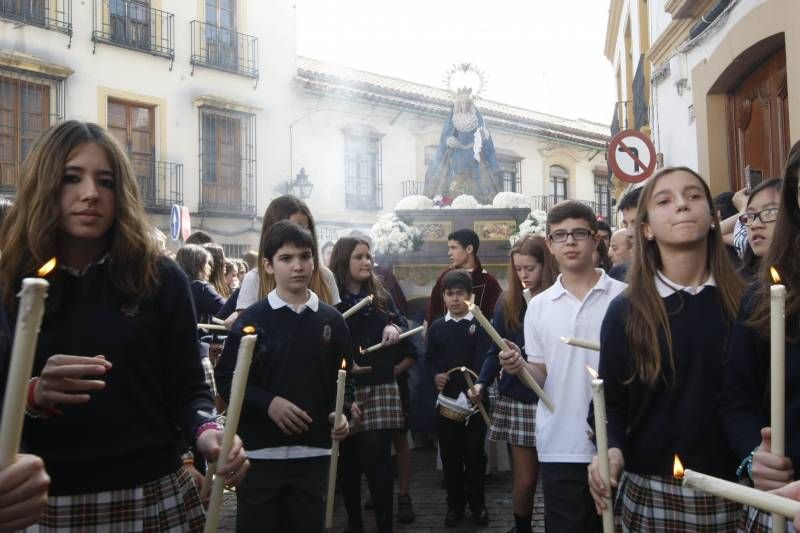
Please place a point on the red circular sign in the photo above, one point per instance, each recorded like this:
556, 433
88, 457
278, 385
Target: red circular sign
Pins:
632, 156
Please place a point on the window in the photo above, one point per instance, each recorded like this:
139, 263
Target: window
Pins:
28, 106
510, 174
602, 197
50, 14
221, 33
558, 183
133, 125
362, 171
227, 160
130, 22
236, 251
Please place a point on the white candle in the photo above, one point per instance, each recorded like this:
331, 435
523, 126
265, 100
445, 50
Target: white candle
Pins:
353, 310
777, 320
601, 436
337, 421
238, 387
526, 293
401, 337
524, 375
26, 334
766, 501
478, 401
581, 343
215, 327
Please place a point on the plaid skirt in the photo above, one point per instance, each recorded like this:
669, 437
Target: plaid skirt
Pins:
513, 422
380, 407
661, 503
170, 503
757, 521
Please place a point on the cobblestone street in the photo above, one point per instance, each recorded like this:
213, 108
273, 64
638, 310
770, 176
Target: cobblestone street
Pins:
429, 503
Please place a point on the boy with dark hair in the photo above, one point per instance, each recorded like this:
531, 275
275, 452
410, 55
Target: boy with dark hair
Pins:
462, 249
574, 306
454, 341
199, 237
604, 231
285, 421
627, 207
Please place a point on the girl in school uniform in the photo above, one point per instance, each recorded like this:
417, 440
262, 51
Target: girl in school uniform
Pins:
368, 448
118, 387
746, 398
663, 348
514, 416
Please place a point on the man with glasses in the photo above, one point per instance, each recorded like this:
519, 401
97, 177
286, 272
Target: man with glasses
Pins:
574, 306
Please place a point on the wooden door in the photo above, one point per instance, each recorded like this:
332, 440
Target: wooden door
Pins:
24, 115
133, 125
759, 121
222, 161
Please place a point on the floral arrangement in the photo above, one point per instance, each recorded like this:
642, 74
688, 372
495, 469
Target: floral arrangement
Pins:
510, 200
465, 201
391, 236
414, 202
534, 224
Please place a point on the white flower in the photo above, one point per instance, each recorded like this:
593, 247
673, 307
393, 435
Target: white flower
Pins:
391, 235
510, 200
465, 201
415, 202
534, 224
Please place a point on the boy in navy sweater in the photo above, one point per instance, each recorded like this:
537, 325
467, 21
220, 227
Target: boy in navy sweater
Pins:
291, 391
458, 340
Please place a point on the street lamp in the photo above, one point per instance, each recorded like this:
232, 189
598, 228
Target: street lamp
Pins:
301, 186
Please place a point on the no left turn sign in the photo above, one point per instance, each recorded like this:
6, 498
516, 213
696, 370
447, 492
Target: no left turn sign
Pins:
632, 156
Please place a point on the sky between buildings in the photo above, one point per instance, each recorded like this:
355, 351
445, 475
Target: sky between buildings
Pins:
545, 55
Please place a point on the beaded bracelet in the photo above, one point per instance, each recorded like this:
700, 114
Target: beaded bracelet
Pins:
746, 466
36, 411
206, 426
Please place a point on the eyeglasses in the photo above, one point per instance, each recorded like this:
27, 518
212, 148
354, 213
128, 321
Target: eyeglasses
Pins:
765, 215
579, 234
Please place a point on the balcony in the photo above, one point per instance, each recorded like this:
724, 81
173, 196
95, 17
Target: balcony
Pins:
53, 15
544, 203
224, 49
134, 25
160, 183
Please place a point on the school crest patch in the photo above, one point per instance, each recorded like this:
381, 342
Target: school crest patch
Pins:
472, 329
326, 334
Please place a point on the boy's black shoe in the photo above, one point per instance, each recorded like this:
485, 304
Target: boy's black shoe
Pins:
405, 510
481, 517
453, 517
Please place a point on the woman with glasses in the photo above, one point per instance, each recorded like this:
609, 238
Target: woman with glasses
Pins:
759, 219
746, 400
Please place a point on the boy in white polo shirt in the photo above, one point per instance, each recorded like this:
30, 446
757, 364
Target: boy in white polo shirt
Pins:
574, 306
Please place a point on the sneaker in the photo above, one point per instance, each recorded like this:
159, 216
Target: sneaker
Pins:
453, 517
481, 517
405, 510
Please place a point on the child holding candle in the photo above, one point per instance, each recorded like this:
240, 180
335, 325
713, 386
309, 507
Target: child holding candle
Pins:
109, 427
572, 307
457, 340
514, 418
662, 353
288, 405
746, 398
368, 448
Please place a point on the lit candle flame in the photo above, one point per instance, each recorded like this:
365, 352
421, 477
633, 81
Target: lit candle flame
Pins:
344, 364
677, 468
248, 330
774, 273
592, 372
46, 268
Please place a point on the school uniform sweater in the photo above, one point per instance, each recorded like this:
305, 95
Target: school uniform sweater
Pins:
485, 288
455, 343
207, 301
297, 357
745, 401
679, 413
366, 329
127, 434
509, 385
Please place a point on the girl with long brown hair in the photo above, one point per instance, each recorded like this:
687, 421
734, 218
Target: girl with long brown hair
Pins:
746, 397
117, 369
531, 270
662, 355
368, 448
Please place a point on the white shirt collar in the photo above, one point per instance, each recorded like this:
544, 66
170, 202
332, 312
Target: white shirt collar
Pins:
469, 316
603, 284
666, 287
81, 273
276, 302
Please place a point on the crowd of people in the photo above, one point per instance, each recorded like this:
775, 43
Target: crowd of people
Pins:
133, 368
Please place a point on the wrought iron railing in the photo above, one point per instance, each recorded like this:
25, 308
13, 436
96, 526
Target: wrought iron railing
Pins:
160, 182
413, 188
134, 25
224, 49
53, 15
